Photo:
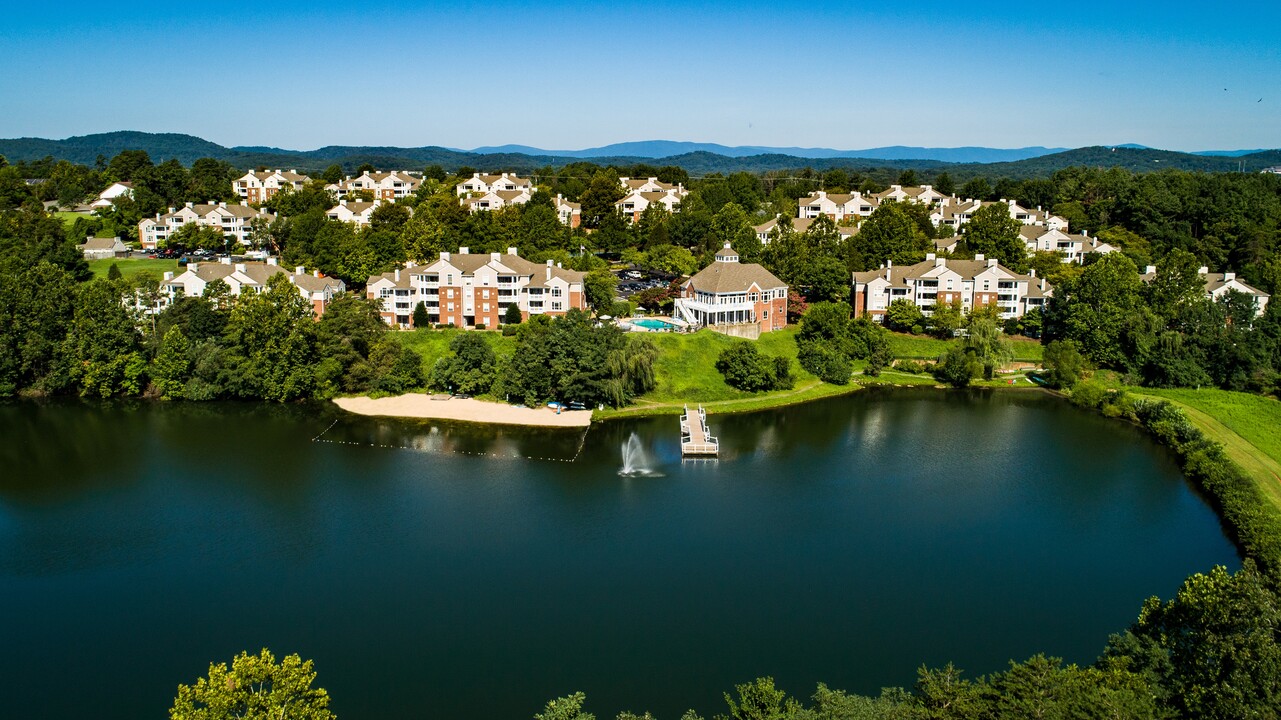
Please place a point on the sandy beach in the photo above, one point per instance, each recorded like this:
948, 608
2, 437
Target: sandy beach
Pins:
469, 410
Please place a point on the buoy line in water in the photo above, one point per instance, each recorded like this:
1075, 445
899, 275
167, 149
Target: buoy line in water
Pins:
582, 442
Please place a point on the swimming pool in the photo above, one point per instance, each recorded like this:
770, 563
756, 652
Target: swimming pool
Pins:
653, 324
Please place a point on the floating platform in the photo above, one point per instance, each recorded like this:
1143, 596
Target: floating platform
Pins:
695, 440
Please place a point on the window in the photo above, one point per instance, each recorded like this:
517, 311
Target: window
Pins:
555, 306
555, 292
485, 307
451, 307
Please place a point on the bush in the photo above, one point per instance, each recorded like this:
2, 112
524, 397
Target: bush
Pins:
511, 316
746, 368
957, 367
826, 364
470, 370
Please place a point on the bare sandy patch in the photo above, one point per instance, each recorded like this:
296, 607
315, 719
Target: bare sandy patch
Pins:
466, 410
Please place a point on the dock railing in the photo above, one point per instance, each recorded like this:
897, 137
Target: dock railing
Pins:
695, 439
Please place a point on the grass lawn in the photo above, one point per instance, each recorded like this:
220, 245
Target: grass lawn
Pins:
928, 348
1245, 424
68, 218
133, 266
434, 344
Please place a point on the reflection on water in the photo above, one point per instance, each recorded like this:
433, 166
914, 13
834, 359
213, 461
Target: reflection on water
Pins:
847, 541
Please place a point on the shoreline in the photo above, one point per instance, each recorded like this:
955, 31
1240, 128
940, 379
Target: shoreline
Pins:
422, 407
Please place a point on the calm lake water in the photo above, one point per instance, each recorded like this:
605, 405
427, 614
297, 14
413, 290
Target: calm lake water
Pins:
846, 541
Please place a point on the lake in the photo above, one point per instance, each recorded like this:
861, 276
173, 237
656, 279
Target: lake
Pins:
433, 571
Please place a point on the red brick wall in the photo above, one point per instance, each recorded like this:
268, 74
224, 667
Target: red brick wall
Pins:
490, 319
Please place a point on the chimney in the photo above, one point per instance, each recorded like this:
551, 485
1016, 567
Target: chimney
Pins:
316, 272
222, 204
1149, 270
343, 202
1031, 273
1203, 270
1229, 276
1042, 283
444, 256
494, 256
549, 269
240, 267
511, 251
991, 262
225, 260
462, 251
168, 275
273, 261
978, 256
300, 270
930, 256
397, 274
188, 204
193, 266
293, 170
940, 262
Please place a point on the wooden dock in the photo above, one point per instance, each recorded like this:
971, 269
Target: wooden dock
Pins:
695, 440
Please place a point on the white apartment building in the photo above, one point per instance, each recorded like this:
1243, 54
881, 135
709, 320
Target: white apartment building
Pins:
243, 278
233, 220
1040, 238
799, 225
257, 187
392, 185
113, 191
972, 283
837, 206
353, 211
480, 184
643, 192
1219, 284
467, 290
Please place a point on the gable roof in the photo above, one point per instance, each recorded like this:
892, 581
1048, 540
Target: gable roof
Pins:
729, 277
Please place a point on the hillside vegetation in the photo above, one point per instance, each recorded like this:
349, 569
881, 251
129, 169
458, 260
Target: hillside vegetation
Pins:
85, 149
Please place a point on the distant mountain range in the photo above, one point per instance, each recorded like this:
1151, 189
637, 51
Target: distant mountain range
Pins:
668, 148
696, 158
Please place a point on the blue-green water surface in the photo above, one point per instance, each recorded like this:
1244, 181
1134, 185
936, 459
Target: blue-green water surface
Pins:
431, 572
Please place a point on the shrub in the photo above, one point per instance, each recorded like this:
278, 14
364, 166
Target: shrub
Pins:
746, 368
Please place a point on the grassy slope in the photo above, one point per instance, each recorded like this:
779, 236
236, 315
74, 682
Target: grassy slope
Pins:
685, 371
1245, 424
928, 348
133, 266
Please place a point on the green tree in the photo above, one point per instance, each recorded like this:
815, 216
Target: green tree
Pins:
1215, 648
599, 198
599, 286
761, 700
256, 687
993, 233
889, 234
1064, 366
421, 318
113, 273
332, 174
172, 366
957, 367
1095, 309
566, 708
470, 370
946, 319
903, 315
1177, 285
748, 369
512, 316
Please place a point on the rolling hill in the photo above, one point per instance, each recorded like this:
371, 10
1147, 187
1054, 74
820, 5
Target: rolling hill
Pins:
187, 148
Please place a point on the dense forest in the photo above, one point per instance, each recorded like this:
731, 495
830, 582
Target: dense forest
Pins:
1161, 333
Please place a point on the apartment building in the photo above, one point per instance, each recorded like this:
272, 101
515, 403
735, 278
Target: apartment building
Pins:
641, 193
469, 290
387, 186
243, 278
800, 225
259, 187
1219, 284
496, 199
1040, 238
481, 184
233, 220
973, 283
353, 211
570, 213
114, 190
730, 293
837, 206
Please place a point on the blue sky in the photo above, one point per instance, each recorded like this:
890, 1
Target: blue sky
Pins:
573, 75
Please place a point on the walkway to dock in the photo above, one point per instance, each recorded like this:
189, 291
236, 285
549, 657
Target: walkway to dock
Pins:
694, 437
